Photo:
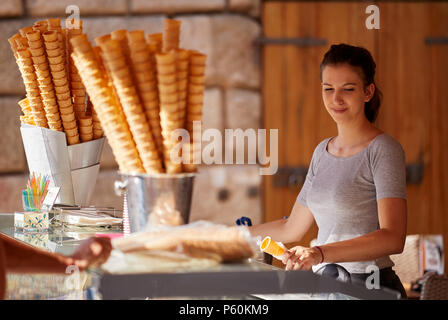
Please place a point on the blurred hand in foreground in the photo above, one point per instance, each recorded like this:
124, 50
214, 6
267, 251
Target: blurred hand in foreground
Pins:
92, 253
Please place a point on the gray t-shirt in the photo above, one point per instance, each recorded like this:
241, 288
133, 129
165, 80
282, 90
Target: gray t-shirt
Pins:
342, 193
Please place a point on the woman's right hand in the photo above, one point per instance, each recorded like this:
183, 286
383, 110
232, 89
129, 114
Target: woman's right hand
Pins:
301, 258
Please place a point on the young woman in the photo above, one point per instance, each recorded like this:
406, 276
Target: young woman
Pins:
355, 188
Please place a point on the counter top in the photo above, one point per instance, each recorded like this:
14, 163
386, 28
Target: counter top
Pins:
248, 278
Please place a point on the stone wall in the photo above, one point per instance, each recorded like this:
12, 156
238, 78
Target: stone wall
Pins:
223, 29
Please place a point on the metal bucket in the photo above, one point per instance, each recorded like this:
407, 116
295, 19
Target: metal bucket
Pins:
146, 192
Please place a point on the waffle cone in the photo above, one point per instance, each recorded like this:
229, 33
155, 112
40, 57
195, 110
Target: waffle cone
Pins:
50, 36
34, 93
56, 60
85, 121
73, 139
54, 23
136, 36
195, 108
165, 69
166, 79
68, 125
171, 33
85, 129
68, 117
37, 52
86, 137
195, 98
50, 102
66, 110
40, 123
54, 125
167, 89
194, 117
140, 46
97, 134
155, 41
102, 39
169, 107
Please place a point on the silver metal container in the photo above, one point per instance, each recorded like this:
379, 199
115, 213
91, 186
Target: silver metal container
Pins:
146, 193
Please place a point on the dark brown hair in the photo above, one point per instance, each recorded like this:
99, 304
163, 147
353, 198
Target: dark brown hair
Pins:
360, 58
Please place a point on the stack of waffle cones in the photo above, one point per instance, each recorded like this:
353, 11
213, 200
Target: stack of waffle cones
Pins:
146, 83
26, 109
41, 54
29, 76
143, 90
96, 124
171, 34
78, 90
106, 105
115, 61
170, 114
194, 105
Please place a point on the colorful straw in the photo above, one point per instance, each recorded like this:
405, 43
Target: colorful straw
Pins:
36, 190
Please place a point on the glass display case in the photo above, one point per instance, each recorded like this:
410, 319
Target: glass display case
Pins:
250, 279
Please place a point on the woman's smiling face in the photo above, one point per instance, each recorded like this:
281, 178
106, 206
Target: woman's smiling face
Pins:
344, 93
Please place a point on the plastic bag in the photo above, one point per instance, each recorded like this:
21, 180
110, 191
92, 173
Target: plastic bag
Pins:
197, 239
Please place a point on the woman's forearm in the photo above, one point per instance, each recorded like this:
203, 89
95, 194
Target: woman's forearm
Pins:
287, 230
22, 258
279, 230
273, 229
371, 246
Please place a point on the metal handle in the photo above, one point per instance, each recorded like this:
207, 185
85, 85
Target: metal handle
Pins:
120, 187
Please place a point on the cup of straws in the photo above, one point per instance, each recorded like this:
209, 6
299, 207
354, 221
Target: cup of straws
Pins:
33, 218
34, 194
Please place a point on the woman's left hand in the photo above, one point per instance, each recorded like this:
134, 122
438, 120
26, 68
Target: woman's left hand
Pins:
301, 258
92, 252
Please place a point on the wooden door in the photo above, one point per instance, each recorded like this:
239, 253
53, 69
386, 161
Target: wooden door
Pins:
413, 71
410, 73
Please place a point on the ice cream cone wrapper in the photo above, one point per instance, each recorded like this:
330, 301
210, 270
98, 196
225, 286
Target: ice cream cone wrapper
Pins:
275, 249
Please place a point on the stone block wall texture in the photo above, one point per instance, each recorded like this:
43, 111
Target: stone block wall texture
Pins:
225, 30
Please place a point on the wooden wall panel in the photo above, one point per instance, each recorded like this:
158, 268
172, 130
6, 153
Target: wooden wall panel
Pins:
404, 73
439, 123
273, 99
